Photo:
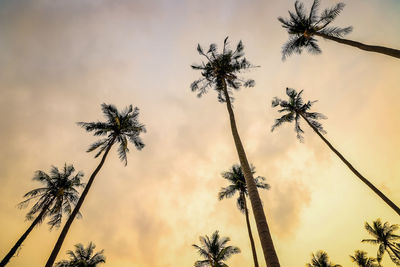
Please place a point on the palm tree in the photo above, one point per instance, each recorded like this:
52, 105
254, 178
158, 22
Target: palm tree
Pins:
238, 184
57, 195
296, 109
384, 237
303, 28
321, 259
118, 128
83, 257
220, 72
362, 260
214, 251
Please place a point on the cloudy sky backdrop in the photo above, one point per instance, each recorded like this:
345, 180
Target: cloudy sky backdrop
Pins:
60, 60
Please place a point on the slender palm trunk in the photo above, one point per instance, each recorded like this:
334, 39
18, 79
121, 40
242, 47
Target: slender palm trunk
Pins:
253, 247
14, 249
371, 48
267, 244
71, 218
362, 178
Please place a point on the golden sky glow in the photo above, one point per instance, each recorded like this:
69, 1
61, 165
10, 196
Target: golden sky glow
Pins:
60, 60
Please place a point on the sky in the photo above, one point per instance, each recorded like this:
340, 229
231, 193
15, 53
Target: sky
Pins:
60, 60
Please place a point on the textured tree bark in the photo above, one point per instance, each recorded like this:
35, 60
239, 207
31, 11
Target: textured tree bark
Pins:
267, 244
14, 249
362, 178
371, 48
253, 247
71, 218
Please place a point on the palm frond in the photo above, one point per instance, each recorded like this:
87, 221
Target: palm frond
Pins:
313, 12
240, 204
313, 47
291, 47
336, 31
300, 11
285, 118
329, 14
227, 192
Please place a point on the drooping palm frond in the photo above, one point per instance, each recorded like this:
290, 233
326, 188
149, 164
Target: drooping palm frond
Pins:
83, 257
220, 69
302, 28
321, 259
384, 236
295, 108
238, 185
214, 250
120, 127
57, 196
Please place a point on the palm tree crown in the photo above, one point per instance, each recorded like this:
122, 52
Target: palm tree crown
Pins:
362, 260
238, 185
321, 259
83, 257
295, 107
214, 250
384, 237
221, 69
58, 194
302, 27
119, 127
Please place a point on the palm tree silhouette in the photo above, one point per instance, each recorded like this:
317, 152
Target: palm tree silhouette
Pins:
362, 260
302, 29
220, 72
118, 128
83, 257
238, 185
321, 259
384, 237
214, 251
296, 108
57, 195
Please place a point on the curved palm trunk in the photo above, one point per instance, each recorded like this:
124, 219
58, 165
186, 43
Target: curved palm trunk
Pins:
14, 249
267, 244
362, 178
371, 48
253, 247
71, 218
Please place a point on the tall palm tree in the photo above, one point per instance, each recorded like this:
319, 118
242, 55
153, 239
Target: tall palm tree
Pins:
303, 28
214, 251
220, 72
238, 185
57, 195
321, 259
362, 260
384, 237
295, 109
119, 127
83, 257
